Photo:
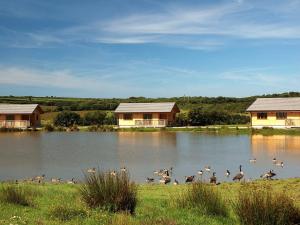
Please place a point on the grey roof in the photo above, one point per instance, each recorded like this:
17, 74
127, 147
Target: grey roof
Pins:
145, 107
17, 108
275, 104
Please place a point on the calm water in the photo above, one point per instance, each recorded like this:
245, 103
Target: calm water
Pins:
66, 155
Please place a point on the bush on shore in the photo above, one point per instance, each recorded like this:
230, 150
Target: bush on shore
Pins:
112, 192
263, 206
16, 194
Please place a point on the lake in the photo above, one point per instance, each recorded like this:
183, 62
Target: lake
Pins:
67, 155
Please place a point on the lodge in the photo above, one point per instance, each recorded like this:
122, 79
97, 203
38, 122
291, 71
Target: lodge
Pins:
20, 116
146, 114
275, 112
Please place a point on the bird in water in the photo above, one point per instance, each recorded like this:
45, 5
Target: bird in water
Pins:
274, 160
252, 160
227, 174
268, 175
279, 164
239, 175
213, 178
150, 180
189, 179
176, 182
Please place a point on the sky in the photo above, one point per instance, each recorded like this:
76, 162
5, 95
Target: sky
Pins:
150, 48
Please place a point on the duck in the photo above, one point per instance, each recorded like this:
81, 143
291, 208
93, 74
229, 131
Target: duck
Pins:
91, 170
268, 175
176, 182
227, 174
213, 178
207, 168
165, 180
200, 172
252, 160
149, 180
239, 175
189, 179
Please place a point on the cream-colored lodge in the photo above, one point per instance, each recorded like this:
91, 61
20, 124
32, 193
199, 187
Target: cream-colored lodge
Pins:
146, 114
275, 112
20, 116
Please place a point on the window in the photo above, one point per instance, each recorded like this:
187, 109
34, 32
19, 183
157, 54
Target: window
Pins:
10, 117
281, 115
262, 116
162, 116
128, 116
148, 116
25, 117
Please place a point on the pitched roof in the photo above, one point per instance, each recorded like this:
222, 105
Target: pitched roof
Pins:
145, 107
275, 104
18, 108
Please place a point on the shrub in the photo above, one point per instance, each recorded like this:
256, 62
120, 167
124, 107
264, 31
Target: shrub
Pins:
49, 127
15, 194
108, 191
262, 206
64, 212
204, 197
94, 118
67, 119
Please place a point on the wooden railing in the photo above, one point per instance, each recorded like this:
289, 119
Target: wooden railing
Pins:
14, 123
151, 123
292, 122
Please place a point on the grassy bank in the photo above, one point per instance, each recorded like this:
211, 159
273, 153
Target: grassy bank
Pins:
61, 204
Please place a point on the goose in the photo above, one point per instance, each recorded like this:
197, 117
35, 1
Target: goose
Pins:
213, 178
207, 168
189, 179
176, 182
165, 180
72, 181
91, 170
149, 180
200, 172
239, 176
274, 160
252, 160
227, 174
268, 175
55, 180
113, 173
279, 164
39, 179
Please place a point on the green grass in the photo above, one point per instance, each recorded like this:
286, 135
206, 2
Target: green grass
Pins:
154, 206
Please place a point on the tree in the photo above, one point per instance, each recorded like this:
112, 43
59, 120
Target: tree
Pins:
94, 118
67, 119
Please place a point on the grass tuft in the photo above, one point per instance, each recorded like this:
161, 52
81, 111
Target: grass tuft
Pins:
16, 194
204, 197
112, 192
262, 206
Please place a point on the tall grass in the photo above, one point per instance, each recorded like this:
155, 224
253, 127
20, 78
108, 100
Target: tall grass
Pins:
65, 213
262, 206
110, 192
16, 194
204, 197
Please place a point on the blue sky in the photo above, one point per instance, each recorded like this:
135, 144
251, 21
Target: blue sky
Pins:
149, 48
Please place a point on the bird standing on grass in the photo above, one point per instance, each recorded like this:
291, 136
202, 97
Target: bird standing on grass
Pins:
239, 175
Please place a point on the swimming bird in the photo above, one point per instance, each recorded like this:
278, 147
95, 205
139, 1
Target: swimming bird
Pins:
176, 182
165, 180
213, 178
279, 164
149, 180
200, 172
268, 175
91, 170
207, 168
239, 175
227, 174
189, 179
252, 160
274, 160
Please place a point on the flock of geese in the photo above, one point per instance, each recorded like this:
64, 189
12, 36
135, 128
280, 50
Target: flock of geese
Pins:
165, 175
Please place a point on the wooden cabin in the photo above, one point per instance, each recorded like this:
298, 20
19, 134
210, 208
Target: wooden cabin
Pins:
275, 112
20, 116
146, 114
